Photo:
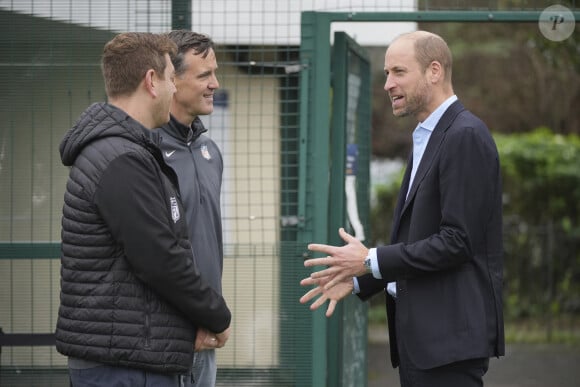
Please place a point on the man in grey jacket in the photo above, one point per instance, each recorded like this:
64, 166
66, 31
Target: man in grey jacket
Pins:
198, 163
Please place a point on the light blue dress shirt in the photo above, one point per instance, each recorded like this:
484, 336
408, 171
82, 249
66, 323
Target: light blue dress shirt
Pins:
421, 136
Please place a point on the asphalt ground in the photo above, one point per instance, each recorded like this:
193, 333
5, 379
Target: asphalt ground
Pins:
524, 365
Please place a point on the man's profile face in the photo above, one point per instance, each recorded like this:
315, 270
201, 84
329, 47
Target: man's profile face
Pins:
406, 84
197, 84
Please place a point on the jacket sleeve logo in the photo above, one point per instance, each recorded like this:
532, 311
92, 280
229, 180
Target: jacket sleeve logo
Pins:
205, 152
174, 209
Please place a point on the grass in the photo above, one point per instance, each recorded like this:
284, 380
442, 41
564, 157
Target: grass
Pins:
560, 330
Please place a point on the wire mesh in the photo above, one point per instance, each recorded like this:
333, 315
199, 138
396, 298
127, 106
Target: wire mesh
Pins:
49, 73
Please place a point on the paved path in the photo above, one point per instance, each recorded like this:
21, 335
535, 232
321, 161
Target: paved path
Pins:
525, 365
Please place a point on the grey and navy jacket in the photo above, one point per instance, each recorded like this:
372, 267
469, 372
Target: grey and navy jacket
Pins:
197, 161
131, 293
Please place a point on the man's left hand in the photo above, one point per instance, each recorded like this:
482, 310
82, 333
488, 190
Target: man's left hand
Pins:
344, 262
333, 295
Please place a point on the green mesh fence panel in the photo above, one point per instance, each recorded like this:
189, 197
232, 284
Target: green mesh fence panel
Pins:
272, 120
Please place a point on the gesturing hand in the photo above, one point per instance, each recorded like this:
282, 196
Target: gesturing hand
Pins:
333, 294
344, 262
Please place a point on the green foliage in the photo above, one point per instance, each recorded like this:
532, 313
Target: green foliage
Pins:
541, 185
382, 211
541, 176
377, 314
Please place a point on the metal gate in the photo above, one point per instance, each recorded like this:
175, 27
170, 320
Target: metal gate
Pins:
301, 113
335, 188
338, 344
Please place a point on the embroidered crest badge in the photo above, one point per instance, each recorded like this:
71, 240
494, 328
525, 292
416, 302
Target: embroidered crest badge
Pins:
205, 152
174, 209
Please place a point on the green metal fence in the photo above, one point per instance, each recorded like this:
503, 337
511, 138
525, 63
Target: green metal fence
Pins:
50, 72
283, 123
319, 110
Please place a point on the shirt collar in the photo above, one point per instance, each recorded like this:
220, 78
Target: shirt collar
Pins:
434, 117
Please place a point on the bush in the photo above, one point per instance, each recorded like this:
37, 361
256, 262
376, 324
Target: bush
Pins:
541, 177
541, 185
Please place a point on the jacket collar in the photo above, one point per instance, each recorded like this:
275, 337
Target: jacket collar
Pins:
183, 132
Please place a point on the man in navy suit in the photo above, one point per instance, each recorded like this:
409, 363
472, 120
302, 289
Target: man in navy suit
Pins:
443, 270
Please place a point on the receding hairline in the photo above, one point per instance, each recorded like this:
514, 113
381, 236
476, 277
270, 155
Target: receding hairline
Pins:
425, 53
416, 36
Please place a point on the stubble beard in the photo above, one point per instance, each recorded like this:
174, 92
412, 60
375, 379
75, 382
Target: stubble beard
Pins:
416, 102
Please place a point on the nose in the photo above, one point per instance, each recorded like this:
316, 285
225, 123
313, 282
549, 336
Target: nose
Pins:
214, 84
389, 84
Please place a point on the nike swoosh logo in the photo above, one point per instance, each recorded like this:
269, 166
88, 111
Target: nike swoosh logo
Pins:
168, 154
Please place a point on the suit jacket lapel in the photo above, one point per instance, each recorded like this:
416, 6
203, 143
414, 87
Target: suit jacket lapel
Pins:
432, 149
401, 199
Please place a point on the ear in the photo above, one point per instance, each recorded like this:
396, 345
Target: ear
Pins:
435, 72
150, 81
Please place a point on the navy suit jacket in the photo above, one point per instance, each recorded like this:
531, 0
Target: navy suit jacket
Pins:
446, 249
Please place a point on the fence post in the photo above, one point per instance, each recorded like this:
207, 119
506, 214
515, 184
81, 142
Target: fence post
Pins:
550, 295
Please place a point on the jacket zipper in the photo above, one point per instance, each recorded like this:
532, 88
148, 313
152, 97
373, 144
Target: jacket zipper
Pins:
148, 322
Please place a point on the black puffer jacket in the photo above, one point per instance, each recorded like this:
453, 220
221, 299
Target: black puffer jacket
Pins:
130, 291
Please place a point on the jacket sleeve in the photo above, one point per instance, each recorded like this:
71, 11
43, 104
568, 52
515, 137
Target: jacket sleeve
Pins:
132, 200
369, 286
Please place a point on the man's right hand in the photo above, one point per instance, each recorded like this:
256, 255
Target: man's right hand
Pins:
208, 340
223, 337
204, 339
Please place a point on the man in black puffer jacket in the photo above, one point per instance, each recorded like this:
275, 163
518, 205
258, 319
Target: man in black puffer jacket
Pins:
131, 293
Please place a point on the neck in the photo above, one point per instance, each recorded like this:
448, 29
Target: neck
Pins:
181, 115
436, 101
134, 107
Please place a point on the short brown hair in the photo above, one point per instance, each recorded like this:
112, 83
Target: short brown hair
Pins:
431, 47
127, 58
187, 40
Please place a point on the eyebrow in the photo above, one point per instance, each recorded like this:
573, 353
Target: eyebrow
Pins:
396, 68
205, 73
